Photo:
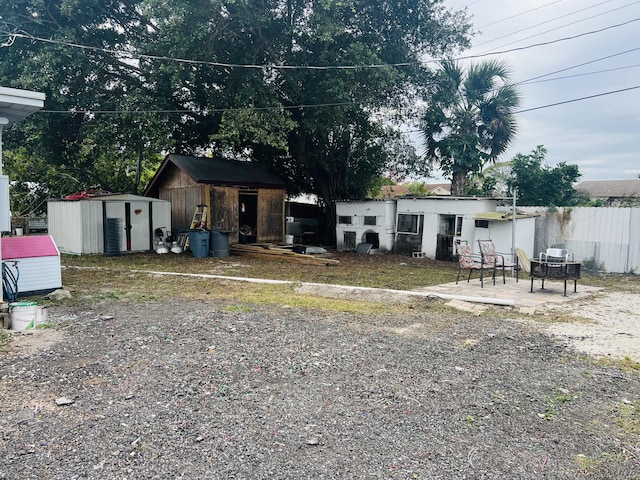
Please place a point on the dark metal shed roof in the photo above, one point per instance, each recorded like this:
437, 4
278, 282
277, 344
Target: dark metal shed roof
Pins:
219, 171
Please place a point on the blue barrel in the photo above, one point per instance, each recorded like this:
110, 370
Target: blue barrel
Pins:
219, 243
199, 243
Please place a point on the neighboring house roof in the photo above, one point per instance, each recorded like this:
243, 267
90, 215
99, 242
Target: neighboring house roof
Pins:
393, 191
219, 171
611, 188
15, 248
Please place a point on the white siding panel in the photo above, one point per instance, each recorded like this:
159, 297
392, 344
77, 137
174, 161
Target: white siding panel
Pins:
64, 221
39, 274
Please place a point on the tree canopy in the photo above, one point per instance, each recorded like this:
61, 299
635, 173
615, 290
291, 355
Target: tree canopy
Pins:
284, 83
541, 185
469, 119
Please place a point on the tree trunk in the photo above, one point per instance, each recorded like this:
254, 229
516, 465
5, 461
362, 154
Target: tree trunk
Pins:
459, 183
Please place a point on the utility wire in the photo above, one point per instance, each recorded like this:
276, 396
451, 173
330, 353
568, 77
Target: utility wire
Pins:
577, 99
529, 80
525, 12
552, 29
308, 67
89, 111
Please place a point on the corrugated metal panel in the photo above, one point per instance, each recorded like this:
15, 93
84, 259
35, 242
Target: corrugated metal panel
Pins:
633, 257
92, 227
605, 239
65, 225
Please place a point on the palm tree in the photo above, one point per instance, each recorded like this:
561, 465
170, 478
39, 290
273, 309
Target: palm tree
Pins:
469, 119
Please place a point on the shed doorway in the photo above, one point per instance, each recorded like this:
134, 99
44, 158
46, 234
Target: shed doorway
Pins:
248, 215
449, 230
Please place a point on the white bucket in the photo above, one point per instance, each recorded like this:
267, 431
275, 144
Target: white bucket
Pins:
19, 232
22, 315
288, 239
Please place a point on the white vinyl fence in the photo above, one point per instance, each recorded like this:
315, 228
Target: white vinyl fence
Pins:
605, 239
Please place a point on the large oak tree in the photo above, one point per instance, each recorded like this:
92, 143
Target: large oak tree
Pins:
285, 82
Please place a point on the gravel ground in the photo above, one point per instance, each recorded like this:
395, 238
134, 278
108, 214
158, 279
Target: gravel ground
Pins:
202, 390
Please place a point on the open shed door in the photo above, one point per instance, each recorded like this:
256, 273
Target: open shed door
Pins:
270, 215
224, 210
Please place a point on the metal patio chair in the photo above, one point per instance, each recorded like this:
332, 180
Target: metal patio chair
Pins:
489, 255
468, 260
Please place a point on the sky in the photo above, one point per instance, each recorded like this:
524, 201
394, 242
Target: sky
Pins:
601, 135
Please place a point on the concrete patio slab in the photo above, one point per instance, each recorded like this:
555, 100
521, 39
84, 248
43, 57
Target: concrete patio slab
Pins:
519, 292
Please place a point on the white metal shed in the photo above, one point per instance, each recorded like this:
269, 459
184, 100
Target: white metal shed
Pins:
109, 224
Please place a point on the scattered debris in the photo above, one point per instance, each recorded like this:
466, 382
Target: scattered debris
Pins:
274, 252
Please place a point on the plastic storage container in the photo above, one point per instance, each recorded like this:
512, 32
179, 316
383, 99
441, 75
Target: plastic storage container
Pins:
199, 243
219, 243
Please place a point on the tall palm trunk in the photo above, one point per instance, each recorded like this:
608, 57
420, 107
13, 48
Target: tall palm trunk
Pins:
459, 183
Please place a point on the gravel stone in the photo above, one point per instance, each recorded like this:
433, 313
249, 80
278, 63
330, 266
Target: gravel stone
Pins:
195, 390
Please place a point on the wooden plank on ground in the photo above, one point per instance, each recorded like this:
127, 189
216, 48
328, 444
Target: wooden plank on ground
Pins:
271, 252
523, 260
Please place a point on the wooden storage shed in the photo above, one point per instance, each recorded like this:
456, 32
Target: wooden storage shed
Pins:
38, 263
239, 196
109, 224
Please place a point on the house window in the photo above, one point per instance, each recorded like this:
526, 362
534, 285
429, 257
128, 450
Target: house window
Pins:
370, 220
482, 223
344, 219
409, 223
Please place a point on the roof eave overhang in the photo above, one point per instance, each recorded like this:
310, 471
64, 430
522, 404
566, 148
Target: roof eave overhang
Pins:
16, 104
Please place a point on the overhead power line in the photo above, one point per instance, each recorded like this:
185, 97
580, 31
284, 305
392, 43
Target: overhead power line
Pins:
552, 20
531, 80
578, 99
89, 111
626, 67
124, 54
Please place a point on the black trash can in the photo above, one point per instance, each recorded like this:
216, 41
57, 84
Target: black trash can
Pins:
113, 229
219, 243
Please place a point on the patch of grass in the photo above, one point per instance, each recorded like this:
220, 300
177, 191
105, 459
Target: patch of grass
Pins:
587, 464
238, 308
627, 416
555, 401
379, 271
613, 281
627, 364
111, 285
4, 340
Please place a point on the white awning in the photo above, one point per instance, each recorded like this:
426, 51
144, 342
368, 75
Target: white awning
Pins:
17, 104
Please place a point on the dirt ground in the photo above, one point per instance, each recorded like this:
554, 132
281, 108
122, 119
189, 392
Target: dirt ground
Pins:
206, 389
612, 329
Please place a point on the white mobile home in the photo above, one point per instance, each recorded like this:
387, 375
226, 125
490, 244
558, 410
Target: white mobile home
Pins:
432, 225
367, 221
109, 224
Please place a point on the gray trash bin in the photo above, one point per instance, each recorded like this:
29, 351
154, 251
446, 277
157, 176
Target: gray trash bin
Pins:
219, 243
199, 243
